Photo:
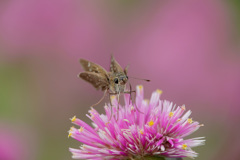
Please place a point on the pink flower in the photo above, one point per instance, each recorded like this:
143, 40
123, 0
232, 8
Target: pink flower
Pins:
158, 131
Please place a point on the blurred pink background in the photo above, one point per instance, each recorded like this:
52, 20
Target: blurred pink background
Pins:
189, 49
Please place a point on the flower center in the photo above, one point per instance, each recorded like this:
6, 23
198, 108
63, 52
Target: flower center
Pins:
80, 129
73, 118
184, 146
170, 114
151, 123
190, 120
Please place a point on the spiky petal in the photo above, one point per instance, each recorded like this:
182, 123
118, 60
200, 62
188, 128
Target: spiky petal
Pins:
158, 130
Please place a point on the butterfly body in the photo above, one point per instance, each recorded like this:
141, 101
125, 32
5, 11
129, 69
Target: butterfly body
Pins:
117, 82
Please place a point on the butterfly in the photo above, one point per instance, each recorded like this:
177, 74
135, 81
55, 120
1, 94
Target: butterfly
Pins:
113, 82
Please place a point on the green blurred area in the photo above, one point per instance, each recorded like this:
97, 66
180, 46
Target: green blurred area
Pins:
14, 94
235, 11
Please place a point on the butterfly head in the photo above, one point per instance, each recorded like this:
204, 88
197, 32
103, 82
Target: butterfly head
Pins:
118, 82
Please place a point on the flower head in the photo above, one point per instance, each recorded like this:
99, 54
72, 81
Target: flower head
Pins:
157, 129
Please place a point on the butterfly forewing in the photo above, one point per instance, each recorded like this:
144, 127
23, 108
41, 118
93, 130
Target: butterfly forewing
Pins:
93, 67
115, 67
114, 81
97, 80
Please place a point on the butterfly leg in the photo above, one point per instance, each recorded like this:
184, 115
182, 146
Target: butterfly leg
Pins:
118, 95
118, 106
130, 100
100, 99
110, 94
110, 105
130, 92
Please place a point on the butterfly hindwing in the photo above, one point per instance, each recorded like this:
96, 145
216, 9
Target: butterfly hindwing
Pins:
97, 80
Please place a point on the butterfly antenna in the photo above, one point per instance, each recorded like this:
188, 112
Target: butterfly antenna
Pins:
118, 106
147, 80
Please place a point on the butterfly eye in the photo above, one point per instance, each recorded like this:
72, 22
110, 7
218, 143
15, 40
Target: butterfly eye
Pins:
116, 80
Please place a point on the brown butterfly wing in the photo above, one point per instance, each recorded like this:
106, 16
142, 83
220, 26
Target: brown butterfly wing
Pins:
97, 80
93, 67
115, 67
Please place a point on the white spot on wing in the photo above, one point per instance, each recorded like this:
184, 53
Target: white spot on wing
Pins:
89, 64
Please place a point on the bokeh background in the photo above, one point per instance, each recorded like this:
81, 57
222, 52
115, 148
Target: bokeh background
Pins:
189, 49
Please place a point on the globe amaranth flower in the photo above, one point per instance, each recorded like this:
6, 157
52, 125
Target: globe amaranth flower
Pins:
157, 129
